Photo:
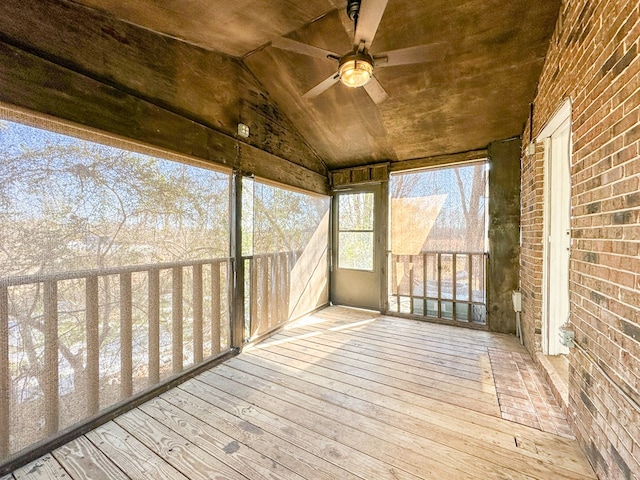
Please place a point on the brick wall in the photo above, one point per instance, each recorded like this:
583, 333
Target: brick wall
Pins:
593, 59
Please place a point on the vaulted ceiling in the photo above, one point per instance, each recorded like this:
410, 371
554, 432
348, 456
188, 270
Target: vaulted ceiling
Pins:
478, 92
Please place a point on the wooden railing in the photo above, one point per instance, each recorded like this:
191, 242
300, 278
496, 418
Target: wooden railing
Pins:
144, 293
444, 285
270, 282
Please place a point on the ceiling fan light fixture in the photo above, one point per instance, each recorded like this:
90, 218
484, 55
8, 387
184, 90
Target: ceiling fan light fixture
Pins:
356, 70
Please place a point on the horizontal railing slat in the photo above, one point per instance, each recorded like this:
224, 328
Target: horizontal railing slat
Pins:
101, 272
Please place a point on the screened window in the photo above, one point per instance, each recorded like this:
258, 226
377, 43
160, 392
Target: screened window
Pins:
285, 246
113, 276
439, 210
438, 241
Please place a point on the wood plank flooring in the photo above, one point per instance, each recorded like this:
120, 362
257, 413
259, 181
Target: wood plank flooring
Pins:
342, 394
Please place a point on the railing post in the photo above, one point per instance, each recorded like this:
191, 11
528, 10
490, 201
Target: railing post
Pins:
50, 388
264, 290
5, 374
215, 308
284, 291
454, 284
126, 337
176, 319
282, 279
275, 312
425, 305
154, 325
254, 320
237, 316
92, 371
410, 283
197, 313
439, 274
396, 283
470, 278
289, 264
485, 285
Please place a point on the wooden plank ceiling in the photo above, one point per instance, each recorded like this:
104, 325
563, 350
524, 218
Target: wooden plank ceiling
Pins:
478, 93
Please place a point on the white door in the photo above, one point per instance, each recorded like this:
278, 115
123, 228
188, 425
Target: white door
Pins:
557, 235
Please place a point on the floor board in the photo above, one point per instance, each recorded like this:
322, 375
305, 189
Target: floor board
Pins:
342, 394
82, 458
45, 468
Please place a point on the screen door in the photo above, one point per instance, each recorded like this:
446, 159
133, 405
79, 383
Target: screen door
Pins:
356, 272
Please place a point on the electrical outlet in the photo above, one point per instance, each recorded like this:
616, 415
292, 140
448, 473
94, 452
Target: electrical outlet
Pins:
566, 337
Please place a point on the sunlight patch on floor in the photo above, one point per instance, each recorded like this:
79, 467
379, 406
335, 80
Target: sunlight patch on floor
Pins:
310, 321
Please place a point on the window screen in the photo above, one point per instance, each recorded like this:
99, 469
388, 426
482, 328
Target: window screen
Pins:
438, 239
285, 245
113, 276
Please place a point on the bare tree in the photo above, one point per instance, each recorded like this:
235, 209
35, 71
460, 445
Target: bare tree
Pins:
473, 206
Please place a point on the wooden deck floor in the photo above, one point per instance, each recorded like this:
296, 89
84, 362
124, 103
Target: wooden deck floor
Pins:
345, 394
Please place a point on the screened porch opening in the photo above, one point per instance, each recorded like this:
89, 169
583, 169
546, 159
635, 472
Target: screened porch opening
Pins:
115, 277
285, 253
438, 244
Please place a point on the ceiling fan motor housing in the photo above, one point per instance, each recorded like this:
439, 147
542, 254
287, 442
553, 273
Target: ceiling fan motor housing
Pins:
358, 57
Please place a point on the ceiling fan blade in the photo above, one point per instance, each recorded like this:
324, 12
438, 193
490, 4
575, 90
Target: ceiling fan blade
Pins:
432, 52
375, 91
322, 86
302, 48
369, 18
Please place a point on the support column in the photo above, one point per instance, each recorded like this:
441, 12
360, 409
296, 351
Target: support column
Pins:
237, 312
504, 233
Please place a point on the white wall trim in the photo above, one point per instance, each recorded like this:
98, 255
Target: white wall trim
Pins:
559, 117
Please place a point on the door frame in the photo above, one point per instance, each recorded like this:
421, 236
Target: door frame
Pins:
379, 257
560, 121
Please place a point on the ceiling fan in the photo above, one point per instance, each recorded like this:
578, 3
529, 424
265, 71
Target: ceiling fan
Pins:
355, 68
